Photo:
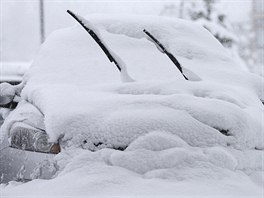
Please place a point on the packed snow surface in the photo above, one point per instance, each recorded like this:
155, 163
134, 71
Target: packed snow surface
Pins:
160, 135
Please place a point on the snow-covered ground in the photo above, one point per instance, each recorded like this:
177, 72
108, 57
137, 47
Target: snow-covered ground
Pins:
158, 136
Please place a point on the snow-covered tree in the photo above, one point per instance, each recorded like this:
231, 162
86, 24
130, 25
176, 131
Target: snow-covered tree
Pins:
208, 14
246, 47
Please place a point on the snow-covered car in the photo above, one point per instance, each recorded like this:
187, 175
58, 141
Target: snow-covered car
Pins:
150, 120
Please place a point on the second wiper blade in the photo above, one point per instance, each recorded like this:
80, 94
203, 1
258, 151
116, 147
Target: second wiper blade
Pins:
164, 50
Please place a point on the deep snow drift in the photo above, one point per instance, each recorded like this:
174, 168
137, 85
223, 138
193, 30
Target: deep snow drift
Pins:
159, 135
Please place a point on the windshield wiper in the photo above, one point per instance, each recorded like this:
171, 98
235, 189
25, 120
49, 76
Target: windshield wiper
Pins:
94, 33
96, 38
165, 51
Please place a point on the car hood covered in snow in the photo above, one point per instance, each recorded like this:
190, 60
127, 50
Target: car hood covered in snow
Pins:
168, 127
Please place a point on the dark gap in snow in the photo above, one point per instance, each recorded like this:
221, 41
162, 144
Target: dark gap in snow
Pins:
120, 148
22, 180
223, 131
98, 144
259, 149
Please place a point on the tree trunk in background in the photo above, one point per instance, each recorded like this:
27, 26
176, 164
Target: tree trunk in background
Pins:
181, 9
42, 24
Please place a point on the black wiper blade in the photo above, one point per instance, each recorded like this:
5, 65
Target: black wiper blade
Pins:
164, 50
96, 39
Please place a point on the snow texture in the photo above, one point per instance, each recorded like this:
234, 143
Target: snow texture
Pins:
7, 93
13, 71
160, 135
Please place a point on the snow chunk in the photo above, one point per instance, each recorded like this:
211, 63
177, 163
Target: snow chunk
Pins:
156, 141
7, 93
143, 161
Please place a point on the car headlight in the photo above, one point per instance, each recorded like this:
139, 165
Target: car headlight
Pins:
40, 142
31, 139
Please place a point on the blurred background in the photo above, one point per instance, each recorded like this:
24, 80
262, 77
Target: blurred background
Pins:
25, 24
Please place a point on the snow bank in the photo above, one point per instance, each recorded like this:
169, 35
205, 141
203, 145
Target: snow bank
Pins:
93, 174
159, 127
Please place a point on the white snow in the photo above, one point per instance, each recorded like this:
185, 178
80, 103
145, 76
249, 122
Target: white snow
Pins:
160, 135
7, 93
13, 71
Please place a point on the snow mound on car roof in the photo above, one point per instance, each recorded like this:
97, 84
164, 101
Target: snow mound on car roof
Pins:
84, 104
